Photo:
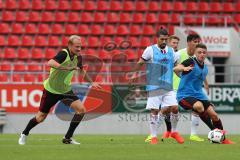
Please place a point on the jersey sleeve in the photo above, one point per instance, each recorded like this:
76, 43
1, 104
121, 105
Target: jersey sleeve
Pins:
80, 63
147, 54
176, 56
60, 57
187, 62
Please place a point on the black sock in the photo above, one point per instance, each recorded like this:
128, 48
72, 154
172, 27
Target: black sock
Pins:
32, 123
207, 120
218, 124
73, 125
168, 123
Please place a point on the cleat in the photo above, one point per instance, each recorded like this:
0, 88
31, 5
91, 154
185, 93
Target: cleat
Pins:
22, 139
70, 141
148, 139
196, 138
154, 140
227, 141
177, 137
166, 134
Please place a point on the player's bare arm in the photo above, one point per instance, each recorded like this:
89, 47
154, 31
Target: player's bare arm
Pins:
87, 78
206, 86
136, 68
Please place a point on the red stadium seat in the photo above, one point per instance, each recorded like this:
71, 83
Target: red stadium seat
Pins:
125, 18
17, 28
134, 41
13, 40
151, 18
166, 6
11, 4
105, 40
1, 4
8, 16
5, 28
112, 17
90, 6
19, 67
2, 42
138, 18
6, 66
135, 30
99, 17
122, 30
21, 16
115, 6
203, 7
215, 7
64, 41
189, 19
191, 7
27, 41
30, 28
47, 17
53, 41
175, 19
87, 17
102, 5
228, 7
105, 56
214, 19
163, 18
237, 6
153, 6
10, 53
37, 53
64, 5
77, 5
128, 6
97, 29
178, 6
131, 55
57, 29
60, 17
109, 30
50, 53
141, 6
17, 77
71, 29
34, 16
237, 18
29, 78
3, 77
37, 5
43, 28
24, 4
84, 29
50, 5
148, 30
73, 17
145, 41
24, 53
119, 40
93, 42
35, 67
40, 41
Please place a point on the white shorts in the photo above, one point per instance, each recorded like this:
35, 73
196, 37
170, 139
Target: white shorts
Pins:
165, 100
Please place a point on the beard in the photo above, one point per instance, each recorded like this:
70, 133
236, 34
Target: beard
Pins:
163, 45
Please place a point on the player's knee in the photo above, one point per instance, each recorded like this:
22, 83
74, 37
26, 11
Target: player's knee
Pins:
81, 109
40, 118
214, 117
198, 106
174, 109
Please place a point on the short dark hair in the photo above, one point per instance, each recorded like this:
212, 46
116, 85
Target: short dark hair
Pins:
201, 45
162, 31
192, 37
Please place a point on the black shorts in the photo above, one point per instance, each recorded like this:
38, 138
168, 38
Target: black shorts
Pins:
187, 103
49, 99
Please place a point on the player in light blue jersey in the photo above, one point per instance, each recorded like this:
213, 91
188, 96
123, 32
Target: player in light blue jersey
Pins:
160, 60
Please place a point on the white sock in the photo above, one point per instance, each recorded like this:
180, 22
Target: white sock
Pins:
174, 121
194, 124
153, 125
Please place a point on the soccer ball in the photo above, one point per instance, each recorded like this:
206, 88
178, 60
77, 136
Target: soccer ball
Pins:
216, 136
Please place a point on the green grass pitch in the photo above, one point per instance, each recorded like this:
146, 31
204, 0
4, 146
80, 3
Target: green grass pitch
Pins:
113, 147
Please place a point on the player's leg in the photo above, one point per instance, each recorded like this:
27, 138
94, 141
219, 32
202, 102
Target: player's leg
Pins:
168, 125
170, 101
47, 101
194, 125
80, 110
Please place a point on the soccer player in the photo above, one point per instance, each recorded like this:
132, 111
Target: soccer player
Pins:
190, 95
160, 60
173, 42
58, 87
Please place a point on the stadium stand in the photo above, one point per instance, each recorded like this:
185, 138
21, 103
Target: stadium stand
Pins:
37, 29
2, 118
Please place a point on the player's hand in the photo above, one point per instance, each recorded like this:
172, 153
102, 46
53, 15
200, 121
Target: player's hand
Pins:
96, 85
186, 69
